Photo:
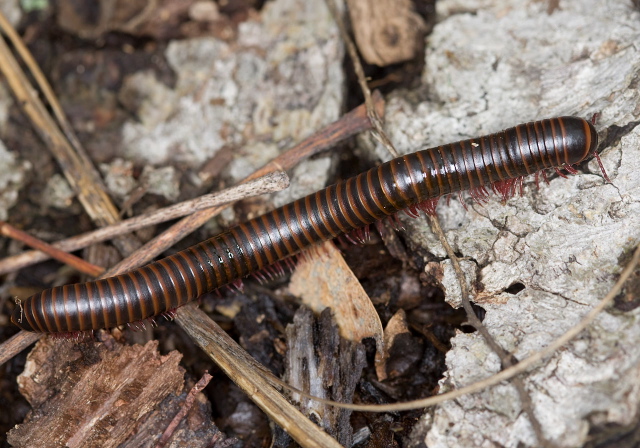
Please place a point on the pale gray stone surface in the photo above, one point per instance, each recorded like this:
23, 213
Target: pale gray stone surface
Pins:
13, 175
13, 170
163, 181
12, 11
278, 83
57, 193
118, 177
491, 65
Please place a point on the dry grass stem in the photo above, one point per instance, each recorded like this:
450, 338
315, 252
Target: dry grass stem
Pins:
267, 184
64, 257
242, 369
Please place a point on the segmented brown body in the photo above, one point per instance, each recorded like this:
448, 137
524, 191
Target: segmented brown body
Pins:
406, 181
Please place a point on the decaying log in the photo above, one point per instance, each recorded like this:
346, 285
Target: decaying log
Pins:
91, 394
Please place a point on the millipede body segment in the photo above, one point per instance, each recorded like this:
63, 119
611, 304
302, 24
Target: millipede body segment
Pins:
412, 182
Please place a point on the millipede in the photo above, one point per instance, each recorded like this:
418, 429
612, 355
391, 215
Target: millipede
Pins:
411, 183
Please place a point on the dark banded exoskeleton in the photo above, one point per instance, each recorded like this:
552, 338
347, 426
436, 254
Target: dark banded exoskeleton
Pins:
412, 182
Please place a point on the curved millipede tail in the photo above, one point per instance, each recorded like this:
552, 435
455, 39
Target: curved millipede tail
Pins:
413, 183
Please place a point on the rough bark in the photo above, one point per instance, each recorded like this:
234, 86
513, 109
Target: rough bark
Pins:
491, 65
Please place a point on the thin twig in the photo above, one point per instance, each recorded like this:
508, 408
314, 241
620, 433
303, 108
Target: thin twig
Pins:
381, 134
188, 404
16, 343
241, 368
23, 339
474, 321
267, 184
64, 257
506, 358
503, 375
75, 164
347, 126
40, 80
427, 333
362, 80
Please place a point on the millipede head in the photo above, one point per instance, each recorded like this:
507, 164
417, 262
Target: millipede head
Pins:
19, 319
582, 142
581, 139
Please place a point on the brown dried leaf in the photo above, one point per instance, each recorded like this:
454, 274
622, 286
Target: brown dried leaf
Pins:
397, 325
323, 280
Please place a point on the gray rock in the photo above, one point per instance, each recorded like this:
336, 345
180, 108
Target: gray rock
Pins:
280, 81
491, 65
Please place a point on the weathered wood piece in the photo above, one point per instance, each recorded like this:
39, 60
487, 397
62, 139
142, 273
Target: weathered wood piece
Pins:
322, 279
251, 377
322, 363
195, 429
92, 394
386, 31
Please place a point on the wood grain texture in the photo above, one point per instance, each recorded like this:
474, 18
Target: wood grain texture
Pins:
386, 31
325, 365
251, 377
93, 395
